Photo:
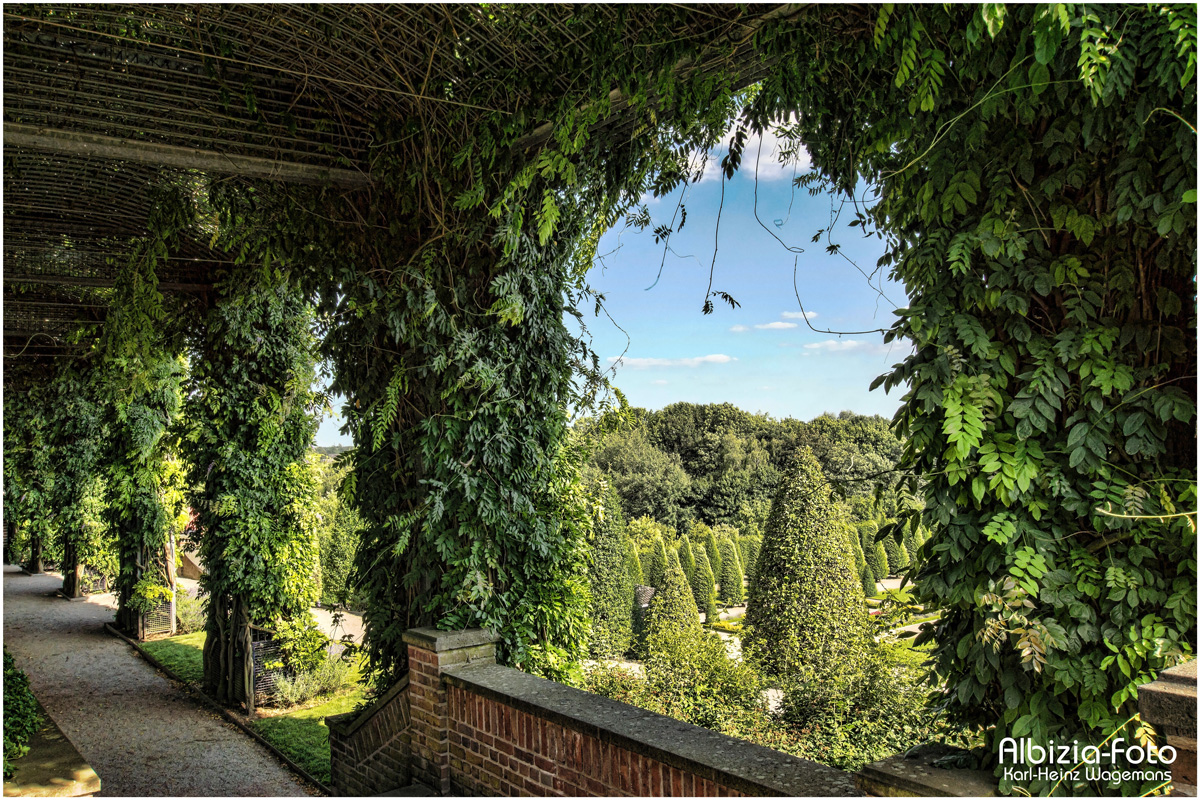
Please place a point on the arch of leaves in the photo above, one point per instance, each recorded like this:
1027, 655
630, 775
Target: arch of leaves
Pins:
423, 187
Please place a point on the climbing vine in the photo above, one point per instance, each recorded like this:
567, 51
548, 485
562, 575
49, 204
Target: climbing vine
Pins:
1041, 215
1035, 171
142, 399
249, 423
447, 287
29, 477
77, 446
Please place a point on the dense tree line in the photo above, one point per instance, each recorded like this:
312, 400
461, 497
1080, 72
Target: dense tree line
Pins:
717, 464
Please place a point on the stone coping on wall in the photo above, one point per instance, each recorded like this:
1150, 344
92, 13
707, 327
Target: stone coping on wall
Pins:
438, 641
735, 763
916, 774
52, 767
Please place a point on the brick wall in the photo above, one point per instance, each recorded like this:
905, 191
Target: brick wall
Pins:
496, 749
369, 752
470, 727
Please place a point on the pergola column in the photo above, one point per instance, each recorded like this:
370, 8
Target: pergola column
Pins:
34, 565
251, 424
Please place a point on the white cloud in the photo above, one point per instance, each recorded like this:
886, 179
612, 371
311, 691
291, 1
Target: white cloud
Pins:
648, 363
799, 315
837, 345
769, 168
739, 329
659, 383
776, 326
851, 346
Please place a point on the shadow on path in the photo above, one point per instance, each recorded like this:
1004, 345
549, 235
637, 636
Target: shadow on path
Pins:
142, 734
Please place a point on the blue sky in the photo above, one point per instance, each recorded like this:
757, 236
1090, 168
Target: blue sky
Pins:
761, 356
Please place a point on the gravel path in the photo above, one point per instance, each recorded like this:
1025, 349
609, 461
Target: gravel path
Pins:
142, 734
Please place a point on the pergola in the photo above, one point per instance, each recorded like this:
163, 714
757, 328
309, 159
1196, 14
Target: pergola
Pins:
102, 102
432, 176
107, 105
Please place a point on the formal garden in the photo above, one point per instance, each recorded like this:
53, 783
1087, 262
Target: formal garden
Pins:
220, 218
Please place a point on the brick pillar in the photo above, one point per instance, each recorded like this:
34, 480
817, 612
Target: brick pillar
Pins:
1169, 704
430, 651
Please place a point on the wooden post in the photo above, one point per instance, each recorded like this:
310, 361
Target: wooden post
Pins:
10, 534
72, 570
34, 565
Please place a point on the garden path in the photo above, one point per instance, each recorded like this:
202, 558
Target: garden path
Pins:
142, 734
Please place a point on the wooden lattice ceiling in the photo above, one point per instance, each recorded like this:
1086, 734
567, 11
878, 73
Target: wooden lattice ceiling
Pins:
101, 102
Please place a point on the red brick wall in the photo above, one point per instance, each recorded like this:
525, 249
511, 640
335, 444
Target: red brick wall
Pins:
427, 704
370, 757
495, 749
468, 727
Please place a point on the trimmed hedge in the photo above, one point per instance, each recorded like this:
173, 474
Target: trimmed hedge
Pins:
21, 716
654, 562
806, 612
633, 563
895, 560
704, 590
672, 610
702, 534
749, 548
612, 587
732, 591
686, 560
873, 552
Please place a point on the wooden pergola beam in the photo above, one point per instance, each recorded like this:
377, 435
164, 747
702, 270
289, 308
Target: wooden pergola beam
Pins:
99, 283
92, 145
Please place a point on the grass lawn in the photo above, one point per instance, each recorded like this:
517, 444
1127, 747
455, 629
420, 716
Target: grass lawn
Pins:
182, 655
300, 732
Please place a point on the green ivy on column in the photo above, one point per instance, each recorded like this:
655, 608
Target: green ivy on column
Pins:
250, 420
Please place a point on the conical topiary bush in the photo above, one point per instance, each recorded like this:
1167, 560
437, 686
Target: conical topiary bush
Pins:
805, 613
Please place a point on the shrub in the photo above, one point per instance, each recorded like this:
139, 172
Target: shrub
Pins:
633, 564
303, 646
884, 709
654, 562
872, 550
909, 544
704, 590
703, 534
805, 612
672, 610
331, 675
732, 591
686, 559
696, 681
881, 560
612, 588
748, 549
190, 612
856, 550
21, 716
618, 683
894, 560
869, 586
554, 663
688, 667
